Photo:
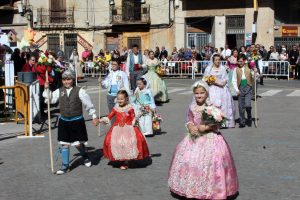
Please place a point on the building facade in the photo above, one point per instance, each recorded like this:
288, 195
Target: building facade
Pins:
101, 24
237, 23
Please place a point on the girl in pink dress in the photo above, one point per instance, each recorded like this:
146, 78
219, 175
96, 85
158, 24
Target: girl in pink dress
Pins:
202, 168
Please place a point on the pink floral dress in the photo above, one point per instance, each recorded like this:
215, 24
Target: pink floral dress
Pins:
203, 168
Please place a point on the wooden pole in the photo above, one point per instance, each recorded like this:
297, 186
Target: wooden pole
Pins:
49, 124
255, 101
99, 104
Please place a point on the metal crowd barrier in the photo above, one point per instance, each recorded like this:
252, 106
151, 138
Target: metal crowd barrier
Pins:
193, 69
187, 68
276, 69
90, 70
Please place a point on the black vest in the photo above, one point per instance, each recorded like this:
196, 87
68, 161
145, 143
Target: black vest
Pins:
70, 106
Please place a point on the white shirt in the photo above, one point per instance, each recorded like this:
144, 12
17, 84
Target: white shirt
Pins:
226, 53
114, 78
274, 56
136, 61
234, 78
84, 97
118, 78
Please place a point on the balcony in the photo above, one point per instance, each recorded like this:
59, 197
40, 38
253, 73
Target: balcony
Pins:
138, 14
54, 19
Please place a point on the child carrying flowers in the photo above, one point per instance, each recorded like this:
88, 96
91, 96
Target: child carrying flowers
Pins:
144, 104
202, 166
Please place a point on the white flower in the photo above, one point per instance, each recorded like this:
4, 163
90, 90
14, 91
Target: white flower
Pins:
50, 57
50, 60
42, 55
40, 60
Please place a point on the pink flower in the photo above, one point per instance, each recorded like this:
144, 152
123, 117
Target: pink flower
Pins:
219, 118
209, 111
252, 64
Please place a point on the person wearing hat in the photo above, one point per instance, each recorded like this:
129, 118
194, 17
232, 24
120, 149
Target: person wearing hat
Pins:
71, 125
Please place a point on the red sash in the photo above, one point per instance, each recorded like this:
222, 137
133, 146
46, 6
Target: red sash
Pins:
136, 67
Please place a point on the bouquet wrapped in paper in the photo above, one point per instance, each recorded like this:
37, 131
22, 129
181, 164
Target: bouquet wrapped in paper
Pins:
210, 79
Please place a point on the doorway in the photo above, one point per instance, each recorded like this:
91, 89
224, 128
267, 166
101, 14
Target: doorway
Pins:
235, 40
70, 41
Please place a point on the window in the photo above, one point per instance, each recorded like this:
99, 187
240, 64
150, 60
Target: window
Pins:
134, 40
197, 39
131, 10
58, 11
287, 41
53, 43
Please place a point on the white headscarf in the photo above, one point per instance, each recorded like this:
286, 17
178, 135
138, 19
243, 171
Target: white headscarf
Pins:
203, 84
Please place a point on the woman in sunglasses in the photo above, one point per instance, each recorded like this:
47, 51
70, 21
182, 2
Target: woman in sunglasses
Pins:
29, 64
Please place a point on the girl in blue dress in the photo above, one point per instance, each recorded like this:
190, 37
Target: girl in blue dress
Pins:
144, 105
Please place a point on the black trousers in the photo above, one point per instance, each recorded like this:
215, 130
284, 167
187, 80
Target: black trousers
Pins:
297, 72
42, 99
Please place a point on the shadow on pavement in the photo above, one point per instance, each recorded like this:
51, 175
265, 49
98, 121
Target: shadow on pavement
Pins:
94, 154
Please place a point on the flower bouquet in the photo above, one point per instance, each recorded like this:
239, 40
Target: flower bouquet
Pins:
156, 121
160, 71
211, 116
96, 64
44, 60
145, 110
210, 79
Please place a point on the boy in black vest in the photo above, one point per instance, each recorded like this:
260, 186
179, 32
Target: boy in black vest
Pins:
71, 125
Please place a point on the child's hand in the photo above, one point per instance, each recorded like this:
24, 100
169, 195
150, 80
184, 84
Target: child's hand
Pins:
103, 121
95, 122
193, 129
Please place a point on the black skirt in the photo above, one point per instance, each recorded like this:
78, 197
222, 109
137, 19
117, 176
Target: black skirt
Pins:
72, 131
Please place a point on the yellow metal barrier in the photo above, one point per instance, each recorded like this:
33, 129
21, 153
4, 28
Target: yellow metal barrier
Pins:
21, 102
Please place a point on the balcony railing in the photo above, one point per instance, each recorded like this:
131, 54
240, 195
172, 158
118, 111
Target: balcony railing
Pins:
139, 14
55, 18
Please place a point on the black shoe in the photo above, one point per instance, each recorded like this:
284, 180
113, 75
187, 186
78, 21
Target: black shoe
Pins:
249, 123
261, 83
242, 126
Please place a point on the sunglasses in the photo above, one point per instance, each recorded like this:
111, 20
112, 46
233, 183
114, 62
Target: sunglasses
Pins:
33, 60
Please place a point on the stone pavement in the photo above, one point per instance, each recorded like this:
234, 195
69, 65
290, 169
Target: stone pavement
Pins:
267, 157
